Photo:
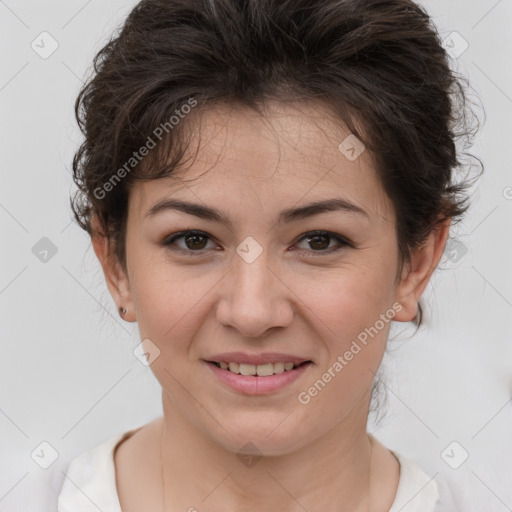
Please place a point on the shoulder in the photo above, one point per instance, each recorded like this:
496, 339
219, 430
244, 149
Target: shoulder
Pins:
90, 479
419, 492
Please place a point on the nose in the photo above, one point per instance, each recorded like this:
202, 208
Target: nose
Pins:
254, 298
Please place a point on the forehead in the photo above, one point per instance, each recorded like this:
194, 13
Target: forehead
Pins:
291, 155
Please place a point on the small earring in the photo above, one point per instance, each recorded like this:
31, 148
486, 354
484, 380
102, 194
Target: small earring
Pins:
122, 311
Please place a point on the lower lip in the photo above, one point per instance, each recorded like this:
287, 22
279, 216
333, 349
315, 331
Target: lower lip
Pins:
255, 385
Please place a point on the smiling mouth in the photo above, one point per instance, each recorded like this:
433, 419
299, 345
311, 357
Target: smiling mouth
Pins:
259, 370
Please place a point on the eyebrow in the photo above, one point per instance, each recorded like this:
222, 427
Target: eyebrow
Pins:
288, 215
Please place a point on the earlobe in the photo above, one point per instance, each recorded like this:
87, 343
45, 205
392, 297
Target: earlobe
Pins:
115, 277
417, 274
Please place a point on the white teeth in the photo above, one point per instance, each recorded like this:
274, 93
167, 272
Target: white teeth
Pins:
234, 367
262, 370
278, 367
247, 369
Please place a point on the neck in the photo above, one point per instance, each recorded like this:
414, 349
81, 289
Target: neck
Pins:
200, 472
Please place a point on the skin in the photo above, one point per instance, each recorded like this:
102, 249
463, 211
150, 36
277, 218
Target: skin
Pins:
312, 304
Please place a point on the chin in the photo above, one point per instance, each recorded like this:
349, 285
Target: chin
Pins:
261, 441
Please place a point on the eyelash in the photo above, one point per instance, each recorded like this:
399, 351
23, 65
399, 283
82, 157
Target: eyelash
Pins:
343, 242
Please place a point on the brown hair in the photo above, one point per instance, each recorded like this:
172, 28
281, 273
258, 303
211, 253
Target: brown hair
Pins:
379, 63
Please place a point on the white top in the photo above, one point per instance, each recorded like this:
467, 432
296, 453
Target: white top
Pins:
90, 484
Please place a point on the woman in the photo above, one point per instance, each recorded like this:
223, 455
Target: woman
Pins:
267, 186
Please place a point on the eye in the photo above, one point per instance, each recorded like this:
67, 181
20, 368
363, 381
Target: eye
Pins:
320, 241
195, 241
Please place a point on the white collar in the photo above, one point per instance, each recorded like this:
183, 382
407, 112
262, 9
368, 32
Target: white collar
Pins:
90, 483
90, 480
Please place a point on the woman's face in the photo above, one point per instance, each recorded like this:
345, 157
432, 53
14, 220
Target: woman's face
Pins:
255, 284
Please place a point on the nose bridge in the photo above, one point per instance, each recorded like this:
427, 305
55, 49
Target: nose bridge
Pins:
253, 298
252, 275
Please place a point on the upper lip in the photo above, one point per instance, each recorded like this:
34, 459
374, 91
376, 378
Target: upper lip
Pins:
265, 358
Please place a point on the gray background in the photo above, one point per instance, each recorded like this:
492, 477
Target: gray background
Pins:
67, 372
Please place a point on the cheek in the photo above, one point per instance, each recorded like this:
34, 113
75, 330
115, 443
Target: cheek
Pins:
352, 315
348, 301
353, 325
171, 306
169, 300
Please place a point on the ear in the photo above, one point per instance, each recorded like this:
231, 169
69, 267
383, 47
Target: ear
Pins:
115, 277
416, 276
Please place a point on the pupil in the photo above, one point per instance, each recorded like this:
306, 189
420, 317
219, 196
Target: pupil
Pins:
324, 245
194, 237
